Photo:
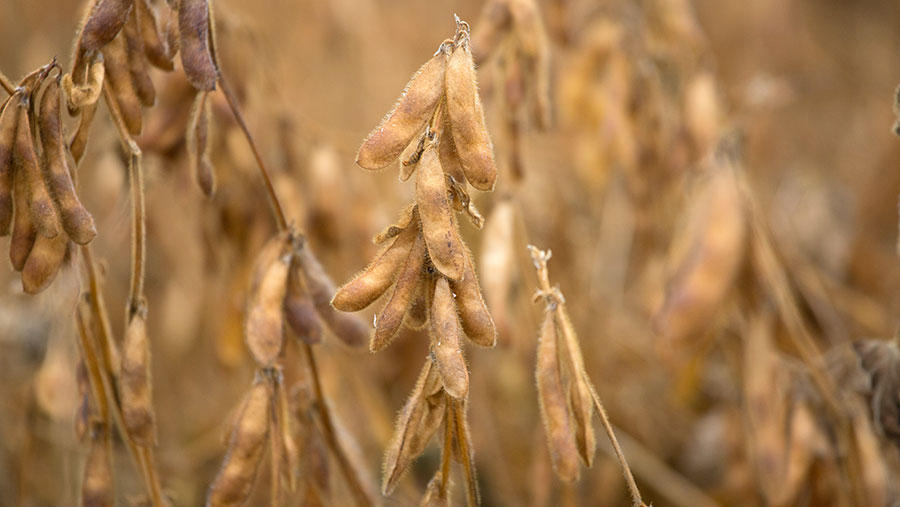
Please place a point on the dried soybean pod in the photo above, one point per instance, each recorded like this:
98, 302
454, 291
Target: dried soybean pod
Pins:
299, 311
137, 63
135, 381
417, 422
105, 22
444, 244
196, 58
411, 155
372, 282
448, 155
470, 135
97, 483
118, 77
76, 220
154, 47
40, 205
417, 316
43, 262
249, 436
9, 118
79, 140
391, 316
579, 391
23, 233
445, 345
554, 409
349, 329
473, 313
265, 308
412, 111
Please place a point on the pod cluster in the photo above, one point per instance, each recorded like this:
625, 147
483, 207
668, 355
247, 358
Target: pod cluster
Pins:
119, 43
564, 389
438, 127
38, 203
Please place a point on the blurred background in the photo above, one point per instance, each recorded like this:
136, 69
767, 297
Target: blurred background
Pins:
717, 182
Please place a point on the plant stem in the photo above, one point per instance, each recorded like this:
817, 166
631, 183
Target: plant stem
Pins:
359, 494
626, 470
462, 438
7, 85
280, 219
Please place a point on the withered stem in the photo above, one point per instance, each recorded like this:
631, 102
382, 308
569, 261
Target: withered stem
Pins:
280, 219
7, 85
359, 494
138, 223
462, 438
607, 427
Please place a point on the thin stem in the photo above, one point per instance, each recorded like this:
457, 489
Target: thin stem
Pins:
462, 439
138, 223
447, 451
626, 470
359, 494
280, 219
7, 85
90, 359
655, 472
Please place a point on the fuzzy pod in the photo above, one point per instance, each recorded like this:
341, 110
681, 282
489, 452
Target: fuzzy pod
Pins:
9, 119
417, 316
76, 221
372, 282
554, 406
118, 77
473, 312
97, 483
137, 62
40, 204
246, 446
135, 381
418, 421
349, 329
445, 247
78, 142
105, 22
299, 311
23, 231
447, 152
198, 144
470, 135
155, 47
194, 37
409, 116
264, 327
390, 319
579, 391
445, 341
43, 262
